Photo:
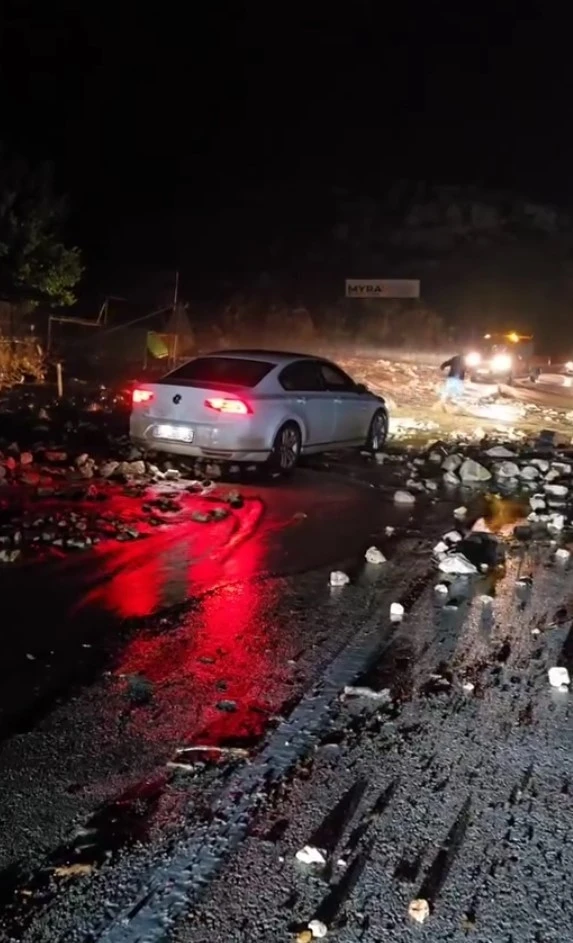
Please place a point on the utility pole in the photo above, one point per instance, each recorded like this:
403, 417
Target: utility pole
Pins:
176, 291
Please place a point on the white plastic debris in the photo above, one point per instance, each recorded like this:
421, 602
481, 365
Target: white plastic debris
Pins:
310, 855
389, 531
373, 555
441, 589
457, 564
338, 578
460, 513
404, 497
419, 910
562, 555
472, 471
452, 462
318, 929
452, 537
506, 470
500, 451
396, 612
559, 677
556, 491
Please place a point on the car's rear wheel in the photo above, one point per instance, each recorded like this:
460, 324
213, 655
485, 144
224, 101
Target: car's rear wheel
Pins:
378, 431
286, 449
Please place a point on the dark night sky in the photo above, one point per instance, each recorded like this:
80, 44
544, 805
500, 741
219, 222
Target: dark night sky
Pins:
161, 122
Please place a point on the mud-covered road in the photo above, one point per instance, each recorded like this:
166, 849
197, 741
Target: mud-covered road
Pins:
174, 723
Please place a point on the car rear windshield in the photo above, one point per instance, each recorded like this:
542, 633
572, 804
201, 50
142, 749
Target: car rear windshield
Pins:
220, 372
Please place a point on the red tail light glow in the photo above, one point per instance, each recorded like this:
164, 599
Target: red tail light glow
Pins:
235, 406
141, 396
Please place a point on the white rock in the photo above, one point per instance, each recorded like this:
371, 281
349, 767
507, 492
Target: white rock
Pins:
452, 462
559, 677
440, 549
431, 485
552, 475
419, 910
435, 457
310, 855
441, 589
537, 502
468, 686
562, 468
536, 631
373, 555
450, 478
556, 522
562, 555
506, 470
396, 612
541, 463
471, 471
318, 929
338, 578
529, 473
457, 563
404, 497
389, 531
460, 514
500, 451
452, 537
557, 491
486, 601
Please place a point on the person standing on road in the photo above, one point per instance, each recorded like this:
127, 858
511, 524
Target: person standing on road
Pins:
453, 388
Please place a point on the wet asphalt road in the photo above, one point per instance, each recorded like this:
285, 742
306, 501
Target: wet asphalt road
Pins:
201, 634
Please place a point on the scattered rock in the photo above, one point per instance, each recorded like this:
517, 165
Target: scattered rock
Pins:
559, 677
506, 470
472, 472
404, 497
396, 612
310, 855
318, 929
500, 451
460, 513
375, 556
419, 910
338, 578
452, 462
457, 563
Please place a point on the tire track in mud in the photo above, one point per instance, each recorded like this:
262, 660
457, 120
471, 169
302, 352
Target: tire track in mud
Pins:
502, 745
194, 861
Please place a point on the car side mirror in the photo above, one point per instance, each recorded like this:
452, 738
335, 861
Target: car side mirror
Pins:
361, 388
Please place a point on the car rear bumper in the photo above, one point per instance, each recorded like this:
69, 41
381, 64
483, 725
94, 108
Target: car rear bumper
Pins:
223, 444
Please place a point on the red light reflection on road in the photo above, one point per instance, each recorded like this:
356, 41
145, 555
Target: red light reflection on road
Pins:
223, 652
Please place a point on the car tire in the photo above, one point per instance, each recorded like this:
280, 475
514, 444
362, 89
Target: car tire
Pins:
286, 450
378, 432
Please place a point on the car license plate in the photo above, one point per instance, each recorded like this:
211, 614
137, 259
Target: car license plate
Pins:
174, 433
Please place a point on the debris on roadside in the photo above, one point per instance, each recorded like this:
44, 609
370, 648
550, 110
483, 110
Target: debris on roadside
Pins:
404, 497
457, 564
396, 612
559, 678
310, 855
318, 929
419, 910
375, 556
338, 578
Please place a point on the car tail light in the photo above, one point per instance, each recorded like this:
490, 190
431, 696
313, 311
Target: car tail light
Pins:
235, 406
141, 396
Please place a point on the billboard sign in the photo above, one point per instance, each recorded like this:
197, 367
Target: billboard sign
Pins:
382, 288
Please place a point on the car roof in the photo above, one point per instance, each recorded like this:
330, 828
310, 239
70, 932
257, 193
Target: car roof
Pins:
277, 356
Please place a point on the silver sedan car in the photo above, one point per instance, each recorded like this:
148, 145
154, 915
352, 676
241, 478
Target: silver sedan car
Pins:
257, 406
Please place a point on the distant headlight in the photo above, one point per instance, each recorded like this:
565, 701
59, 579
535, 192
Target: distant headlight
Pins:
569, 366
473, 359
500, 363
